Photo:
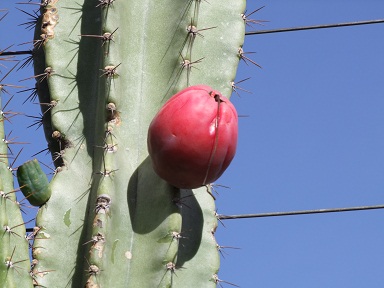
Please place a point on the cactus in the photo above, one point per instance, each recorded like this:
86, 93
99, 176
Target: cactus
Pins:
103, 69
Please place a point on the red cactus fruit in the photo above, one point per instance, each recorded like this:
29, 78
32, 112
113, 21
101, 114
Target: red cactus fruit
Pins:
193, 138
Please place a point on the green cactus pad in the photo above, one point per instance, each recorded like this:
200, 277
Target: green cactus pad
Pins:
110, 221
33, 183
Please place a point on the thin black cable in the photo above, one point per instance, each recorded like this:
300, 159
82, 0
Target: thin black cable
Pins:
316, 27
300, 212
14, 53
316, 211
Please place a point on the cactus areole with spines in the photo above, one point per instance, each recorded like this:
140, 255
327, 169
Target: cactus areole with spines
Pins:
192, 139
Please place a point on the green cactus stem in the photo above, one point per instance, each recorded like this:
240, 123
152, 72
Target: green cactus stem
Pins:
14, 259
106, 67
33, 183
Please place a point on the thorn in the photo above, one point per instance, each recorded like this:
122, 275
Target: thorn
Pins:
33, 95
32, 235
32, 21
95, 239
50, 105
107, 37
47, 73
187, 64
9, 264
54, 171
243, 57
7, 54
179, 201
8, 85
2, 17
219, 281
4, 113
21, 205
220, 249
170, 266
46, 149
176, 235
57, 155
10, 166
109, 132
106, 173
248, 21
105, 3
235, 87
108, 148
38, 121
217, 215
10, 141
37, 43
214, 186
41, 274
43, 4
193, 31
9, 229
208, 186
110, 71
27, 61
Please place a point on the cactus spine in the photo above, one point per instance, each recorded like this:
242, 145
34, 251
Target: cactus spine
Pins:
14, 259
106, 67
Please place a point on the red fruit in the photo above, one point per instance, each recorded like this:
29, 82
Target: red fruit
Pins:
193, 138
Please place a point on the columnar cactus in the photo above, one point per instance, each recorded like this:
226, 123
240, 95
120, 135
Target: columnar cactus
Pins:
103, 69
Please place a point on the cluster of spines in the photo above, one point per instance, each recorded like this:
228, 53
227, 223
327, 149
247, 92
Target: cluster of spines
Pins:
100, 239
14, 257
192, 32
106, 189
13, 248
45, 22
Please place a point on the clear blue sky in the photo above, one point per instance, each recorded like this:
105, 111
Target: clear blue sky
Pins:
313, 138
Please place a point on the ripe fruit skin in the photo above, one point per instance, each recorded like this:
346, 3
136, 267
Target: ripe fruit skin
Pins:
188, 149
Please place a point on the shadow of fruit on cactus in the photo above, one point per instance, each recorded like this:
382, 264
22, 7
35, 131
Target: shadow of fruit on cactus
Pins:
192, 139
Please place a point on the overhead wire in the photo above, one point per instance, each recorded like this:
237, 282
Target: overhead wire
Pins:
323, 26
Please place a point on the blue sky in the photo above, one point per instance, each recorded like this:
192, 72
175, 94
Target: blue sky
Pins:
313, 138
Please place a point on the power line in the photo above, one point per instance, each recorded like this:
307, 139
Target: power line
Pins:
301, 212
14, 53
316, 27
